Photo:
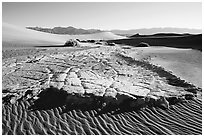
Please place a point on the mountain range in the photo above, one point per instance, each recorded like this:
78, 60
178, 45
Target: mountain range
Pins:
66, 30
150, 31
146, 31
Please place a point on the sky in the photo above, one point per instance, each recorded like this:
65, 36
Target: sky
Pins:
105, 16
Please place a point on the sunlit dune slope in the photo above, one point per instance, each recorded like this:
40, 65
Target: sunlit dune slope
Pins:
98, 36
20, 35
185, 63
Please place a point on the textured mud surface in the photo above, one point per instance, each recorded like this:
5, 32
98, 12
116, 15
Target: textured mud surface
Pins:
106, 72
104, 79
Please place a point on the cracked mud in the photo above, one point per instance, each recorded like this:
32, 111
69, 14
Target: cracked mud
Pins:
106, 72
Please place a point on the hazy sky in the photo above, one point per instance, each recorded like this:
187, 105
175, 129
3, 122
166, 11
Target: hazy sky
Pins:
104, 15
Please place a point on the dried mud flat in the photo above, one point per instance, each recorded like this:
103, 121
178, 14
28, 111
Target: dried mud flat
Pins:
96, 91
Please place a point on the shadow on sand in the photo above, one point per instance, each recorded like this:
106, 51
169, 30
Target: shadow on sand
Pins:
48, 99
51, 98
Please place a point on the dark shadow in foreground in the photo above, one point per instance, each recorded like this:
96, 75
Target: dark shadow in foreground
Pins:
48, 99
51, 98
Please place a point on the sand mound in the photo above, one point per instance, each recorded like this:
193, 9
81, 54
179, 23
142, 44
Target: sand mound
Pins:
71, 43
143, 44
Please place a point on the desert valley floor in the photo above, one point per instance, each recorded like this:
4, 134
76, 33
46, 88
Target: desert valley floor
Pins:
101, 89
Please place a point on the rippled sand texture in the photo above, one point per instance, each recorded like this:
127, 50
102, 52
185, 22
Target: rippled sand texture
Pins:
184, 118
146, 99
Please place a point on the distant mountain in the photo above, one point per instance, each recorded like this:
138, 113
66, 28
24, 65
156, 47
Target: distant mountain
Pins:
65, 30
156, 30
160, 35
146, 31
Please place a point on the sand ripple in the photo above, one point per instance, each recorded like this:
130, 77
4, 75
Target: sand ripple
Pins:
183, 118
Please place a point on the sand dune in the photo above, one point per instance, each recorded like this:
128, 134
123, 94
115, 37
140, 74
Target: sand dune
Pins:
20, 35
184, 63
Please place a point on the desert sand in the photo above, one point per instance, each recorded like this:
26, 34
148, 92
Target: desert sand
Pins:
101, 90
98, 89
184, 63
